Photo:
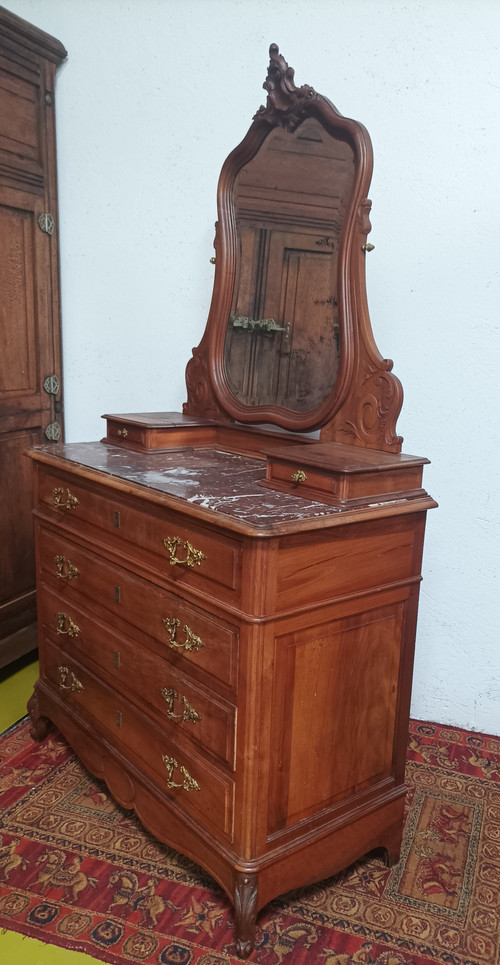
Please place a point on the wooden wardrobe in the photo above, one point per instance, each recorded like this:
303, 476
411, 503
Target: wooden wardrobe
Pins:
30, 336
228, 612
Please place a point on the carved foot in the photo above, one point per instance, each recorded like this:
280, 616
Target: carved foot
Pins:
390, 858
245, 912
39, 724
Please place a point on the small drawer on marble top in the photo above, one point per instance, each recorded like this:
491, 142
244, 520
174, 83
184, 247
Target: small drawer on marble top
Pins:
289, 477
170, 543
194, 784
151, 431
124, 434
343, 475
179, 703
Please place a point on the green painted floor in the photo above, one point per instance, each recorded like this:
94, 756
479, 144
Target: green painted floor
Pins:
16, 685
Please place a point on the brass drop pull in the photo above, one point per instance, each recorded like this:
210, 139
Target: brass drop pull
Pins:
187, 784
193, 557
65, 625
68, 681
298, 477
123, 433
71, 501
188, 714
65, 570
367, 247
192, 643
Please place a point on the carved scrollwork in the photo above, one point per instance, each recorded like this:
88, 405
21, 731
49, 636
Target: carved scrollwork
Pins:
381, 402
369, 419
285, 102
201, 399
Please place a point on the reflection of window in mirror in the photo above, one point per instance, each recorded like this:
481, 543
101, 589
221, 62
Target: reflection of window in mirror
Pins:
283, 338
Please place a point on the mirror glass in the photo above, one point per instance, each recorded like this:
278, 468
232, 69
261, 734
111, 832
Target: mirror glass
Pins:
283, 340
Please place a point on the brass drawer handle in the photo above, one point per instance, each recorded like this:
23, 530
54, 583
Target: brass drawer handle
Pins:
65, 625
298, 477
188, 783
65, 570
68, 681
123, 433
192, 643
189, 713
71, 501
193, 557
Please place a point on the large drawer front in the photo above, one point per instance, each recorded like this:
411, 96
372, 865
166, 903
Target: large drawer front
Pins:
179, 704
181, 551
344, 561
191, 637
196, 787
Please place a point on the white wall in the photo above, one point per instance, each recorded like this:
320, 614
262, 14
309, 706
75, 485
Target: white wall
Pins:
154, 95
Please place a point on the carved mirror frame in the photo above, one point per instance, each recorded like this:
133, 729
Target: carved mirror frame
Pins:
365, 401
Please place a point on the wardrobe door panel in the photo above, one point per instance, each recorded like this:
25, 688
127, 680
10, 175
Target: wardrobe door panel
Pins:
30, 407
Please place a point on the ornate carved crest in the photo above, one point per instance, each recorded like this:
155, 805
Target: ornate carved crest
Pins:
285, 102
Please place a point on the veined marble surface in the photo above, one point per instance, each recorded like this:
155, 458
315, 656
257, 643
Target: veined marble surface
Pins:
223, 482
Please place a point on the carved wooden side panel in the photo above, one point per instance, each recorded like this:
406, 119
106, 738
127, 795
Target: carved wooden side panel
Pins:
201, 400
368, 416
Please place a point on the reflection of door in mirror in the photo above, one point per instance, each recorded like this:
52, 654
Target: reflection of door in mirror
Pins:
283, 336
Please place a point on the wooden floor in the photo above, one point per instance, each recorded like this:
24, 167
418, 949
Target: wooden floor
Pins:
16, 684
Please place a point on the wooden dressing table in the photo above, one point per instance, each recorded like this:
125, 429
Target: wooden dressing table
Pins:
227, 613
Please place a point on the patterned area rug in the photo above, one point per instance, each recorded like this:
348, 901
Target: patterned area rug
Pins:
77, 871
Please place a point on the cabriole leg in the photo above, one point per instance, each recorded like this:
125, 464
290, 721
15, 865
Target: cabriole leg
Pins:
245, 912
39, 724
